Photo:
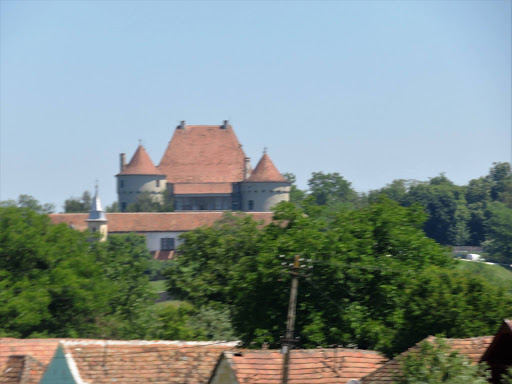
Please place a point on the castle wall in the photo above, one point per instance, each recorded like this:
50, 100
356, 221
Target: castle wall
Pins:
263, 195
130, 186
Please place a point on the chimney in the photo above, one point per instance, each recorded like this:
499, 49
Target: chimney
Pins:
247, 167
122, 161
182, 125
225, 125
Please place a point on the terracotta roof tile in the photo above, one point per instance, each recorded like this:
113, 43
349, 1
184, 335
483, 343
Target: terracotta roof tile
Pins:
202, 188
34, 354
153, 221
203, 154
473, 347
266, 171
21, 370
318, 366
140, 164
101, 362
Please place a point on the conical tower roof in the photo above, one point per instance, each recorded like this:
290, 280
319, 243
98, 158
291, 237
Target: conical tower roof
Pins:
140, 164
266, 171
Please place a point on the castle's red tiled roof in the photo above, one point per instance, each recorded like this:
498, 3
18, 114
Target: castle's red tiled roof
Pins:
202, 188
153, 221
203, 154
140, 164
266, 171
325, 366
473, 347
160, 362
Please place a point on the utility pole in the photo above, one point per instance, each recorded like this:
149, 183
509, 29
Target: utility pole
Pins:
288, 341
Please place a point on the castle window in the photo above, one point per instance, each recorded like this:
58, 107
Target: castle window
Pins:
167, 244
251, 205
121, 183
123, 207
158, 183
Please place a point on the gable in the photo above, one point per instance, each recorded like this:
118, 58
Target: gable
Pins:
59, 370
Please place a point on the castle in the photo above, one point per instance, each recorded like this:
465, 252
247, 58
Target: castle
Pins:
203, 168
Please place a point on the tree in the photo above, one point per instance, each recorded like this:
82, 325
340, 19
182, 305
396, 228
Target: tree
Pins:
59, 282
452, 303
435, 363
365, 261
445, 204
330, 189
296, 195
499, 233
78, 205
29, 202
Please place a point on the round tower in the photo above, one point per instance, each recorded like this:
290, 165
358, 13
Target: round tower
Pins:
139, 176
265, 187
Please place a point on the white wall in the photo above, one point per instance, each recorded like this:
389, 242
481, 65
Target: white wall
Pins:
153, 239
264, 195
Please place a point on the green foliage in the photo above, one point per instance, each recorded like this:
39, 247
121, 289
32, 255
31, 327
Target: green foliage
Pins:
331, 188
146, 202
78, 205
114, 207
452, 303
445, 204
506, 378
57, 282
27, 201
435, 363
182, 321
493, 274
370, 266
296, 195
499, 233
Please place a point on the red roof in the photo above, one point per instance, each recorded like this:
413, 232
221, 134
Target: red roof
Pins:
102, 362
473, 347
140, 164
325, 366
153, 221
21, 370
36, 354
266, 171
202, 188
203, 154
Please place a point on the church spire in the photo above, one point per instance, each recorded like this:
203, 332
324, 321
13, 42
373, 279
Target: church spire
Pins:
97, 220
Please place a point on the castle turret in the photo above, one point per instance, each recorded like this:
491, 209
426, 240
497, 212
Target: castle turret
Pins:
139, 176
265, 187
97, 221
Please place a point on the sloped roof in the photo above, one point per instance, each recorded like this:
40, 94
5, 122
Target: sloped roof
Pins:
28, 356
312, 366
202, 188
21, 370
153, 221
203, 154
266, 171
140, 164
40, 349
102, 362
473, 347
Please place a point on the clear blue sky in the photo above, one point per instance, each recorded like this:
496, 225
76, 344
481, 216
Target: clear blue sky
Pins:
374, 90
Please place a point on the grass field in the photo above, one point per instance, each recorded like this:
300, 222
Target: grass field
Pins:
495, 274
